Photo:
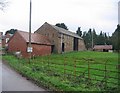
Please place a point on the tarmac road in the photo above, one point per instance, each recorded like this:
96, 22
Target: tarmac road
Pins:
12, 81
0, 75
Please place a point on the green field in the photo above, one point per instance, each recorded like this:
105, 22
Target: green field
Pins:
74, 71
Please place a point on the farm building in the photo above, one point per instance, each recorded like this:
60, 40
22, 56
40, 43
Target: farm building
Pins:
62, 40
19, 43
103, 48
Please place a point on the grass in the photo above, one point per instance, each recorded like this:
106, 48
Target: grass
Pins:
69, 71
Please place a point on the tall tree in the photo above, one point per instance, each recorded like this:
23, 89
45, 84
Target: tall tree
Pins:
79, 32
87, 36
100, 39
62, 25
94, 37
116, 38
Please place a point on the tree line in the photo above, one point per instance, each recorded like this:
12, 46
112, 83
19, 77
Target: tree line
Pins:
91, 38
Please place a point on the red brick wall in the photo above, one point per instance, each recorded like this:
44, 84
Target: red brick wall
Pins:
17, 43
41, 50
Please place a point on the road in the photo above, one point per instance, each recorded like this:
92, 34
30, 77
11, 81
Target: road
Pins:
0, 75
12, 81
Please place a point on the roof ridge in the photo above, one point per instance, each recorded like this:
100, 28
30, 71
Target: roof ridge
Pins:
35, 38
76, 35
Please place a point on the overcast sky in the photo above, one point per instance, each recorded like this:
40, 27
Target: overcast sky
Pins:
99, 14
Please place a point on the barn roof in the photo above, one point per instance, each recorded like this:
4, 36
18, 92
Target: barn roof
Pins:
35, 38
67, 32
109, 47
63, 31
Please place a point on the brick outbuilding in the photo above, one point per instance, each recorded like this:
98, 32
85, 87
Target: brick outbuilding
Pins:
19, 42
103, 48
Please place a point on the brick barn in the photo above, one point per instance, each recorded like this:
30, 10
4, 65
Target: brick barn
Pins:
62, 40
19, 43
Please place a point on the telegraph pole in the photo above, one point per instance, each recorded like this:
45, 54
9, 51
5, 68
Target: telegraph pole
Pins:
29, 46
92, 40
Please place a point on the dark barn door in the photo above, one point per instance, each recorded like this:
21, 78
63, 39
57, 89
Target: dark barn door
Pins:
52, 48
75, 44
63, 47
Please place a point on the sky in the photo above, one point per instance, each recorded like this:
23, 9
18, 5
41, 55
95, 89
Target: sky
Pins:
99, 14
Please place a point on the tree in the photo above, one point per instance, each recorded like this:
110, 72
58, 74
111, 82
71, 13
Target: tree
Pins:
116, 39
94, 37
3, 4
87, 36
100, 39
62, 25
107, 39
11, 31
79, 32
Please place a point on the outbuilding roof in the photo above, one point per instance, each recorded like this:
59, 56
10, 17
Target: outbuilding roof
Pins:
108, 47
35, 38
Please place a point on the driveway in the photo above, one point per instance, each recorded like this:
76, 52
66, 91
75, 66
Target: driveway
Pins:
12, 81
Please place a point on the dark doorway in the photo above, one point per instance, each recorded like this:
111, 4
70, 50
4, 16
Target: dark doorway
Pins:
75, 44
63, 47
52, 48
105, 50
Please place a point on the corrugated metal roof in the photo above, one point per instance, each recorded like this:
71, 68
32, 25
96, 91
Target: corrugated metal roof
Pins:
35, 38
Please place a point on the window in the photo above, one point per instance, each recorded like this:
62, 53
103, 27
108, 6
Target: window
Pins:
7, 39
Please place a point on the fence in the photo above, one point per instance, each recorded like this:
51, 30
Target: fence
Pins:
87, 71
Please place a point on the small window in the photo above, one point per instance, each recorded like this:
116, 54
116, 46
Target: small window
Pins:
7, 39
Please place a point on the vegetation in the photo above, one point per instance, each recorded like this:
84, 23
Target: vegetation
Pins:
57, 72
11, 31
101, 39
79, 32
62, 25
116, 38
